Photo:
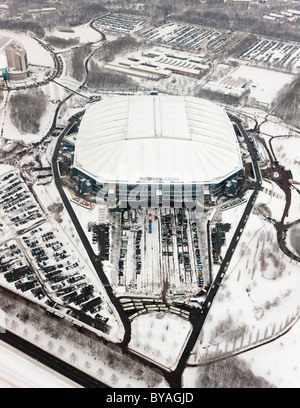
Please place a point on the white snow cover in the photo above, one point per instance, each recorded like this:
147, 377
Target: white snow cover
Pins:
141, 138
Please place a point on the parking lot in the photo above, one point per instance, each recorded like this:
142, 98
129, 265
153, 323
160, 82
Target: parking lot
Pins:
276, 54
218, 239
119, 23
192, 37
17, 203
38, 262
159, 248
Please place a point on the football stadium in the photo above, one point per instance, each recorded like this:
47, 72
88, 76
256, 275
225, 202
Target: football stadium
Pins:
159, 146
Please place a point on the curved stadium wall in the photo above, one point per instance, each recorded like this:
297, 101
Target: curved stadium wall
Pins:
156, 147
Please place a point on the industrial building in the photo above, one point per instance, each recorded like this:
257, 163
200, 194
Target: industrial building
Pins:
228, 89
157, 64
161, 146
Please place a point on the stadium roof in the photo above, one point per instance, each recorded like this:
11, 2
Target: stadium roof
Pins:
145, 139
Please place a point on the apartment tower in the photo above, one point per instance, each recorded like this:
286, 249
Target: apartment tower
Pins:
17, 61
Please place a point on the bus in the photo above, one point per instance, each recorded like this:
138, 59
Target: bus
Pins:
128, 309
125, 300
151, 306
125, 216
58, 315
130, 318
185, 314
142, 311
78, 326
133, 216
150, 223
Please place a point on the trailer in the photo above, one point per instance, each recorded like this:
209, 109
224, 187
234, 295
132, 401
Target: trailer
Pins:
133, 216
125, 216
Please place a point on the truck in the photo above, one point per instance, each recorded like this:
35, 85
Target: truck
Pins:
125, 216
133, 216
150, 223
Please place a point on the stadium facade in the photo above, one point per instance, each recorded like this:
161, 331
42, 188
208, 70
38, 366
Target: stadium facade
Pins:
156, 148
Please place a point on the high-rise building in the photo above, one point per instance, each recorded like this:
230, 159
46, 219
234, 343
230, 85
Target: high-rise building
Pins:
17, 61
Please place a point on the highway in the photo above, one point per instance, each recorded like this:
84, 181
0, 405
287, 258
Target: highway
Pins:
239, 230
197, 317
95, 260
51, 361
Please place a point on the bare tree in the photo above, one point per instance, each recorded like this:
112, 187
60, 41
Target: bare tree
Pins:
232, 372
26, 110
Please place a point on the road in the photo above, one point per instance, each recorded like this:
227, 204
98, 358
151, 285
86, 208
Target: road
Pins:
51, 361
21, 344
95, 260
198, 317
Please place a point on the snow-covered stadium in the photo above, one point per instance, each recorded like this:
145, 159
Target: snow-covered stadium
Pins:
157, 143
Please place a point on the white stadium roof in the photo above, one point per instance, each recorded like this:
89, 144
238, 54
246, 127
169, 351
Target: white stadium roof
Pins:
143, 139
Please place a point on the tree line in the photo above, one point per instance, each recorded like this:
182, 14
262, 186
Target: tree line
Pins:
287, 103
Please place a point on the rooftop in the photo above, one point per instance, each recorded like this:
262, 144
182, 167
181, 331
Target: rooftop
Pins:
137, 138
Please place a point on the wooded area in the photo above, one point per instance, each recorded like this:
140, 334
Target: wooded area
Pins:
26, 110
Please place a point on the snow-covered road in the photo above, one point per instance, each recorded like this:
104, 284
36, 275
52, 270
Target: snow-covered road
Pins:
20, 371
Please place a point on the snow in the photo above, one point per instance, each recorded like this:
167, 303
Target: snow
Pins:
160, 338
136, 132
264, 84
260, 291
287, 150
253, 302
19, 370
88, 355
35, 52
84, 33
12, 133
278, 361
55, 91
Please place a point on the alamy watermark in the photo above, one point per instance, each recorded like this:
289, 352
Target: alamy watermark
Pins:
152, 196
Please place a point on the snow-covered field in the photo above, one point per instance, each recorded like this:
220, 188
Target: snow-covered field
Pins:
84, 33
36, 54
19, 370
264, 84
258, 299
160, 337
93, 357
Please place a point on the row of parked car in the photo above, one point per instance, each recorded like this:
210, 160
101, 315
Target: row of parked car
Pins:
60, 271
188, 247
40, 262
274, 53
138, 256
117, 22
17, 202
17, 271
189, 36
180, 239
